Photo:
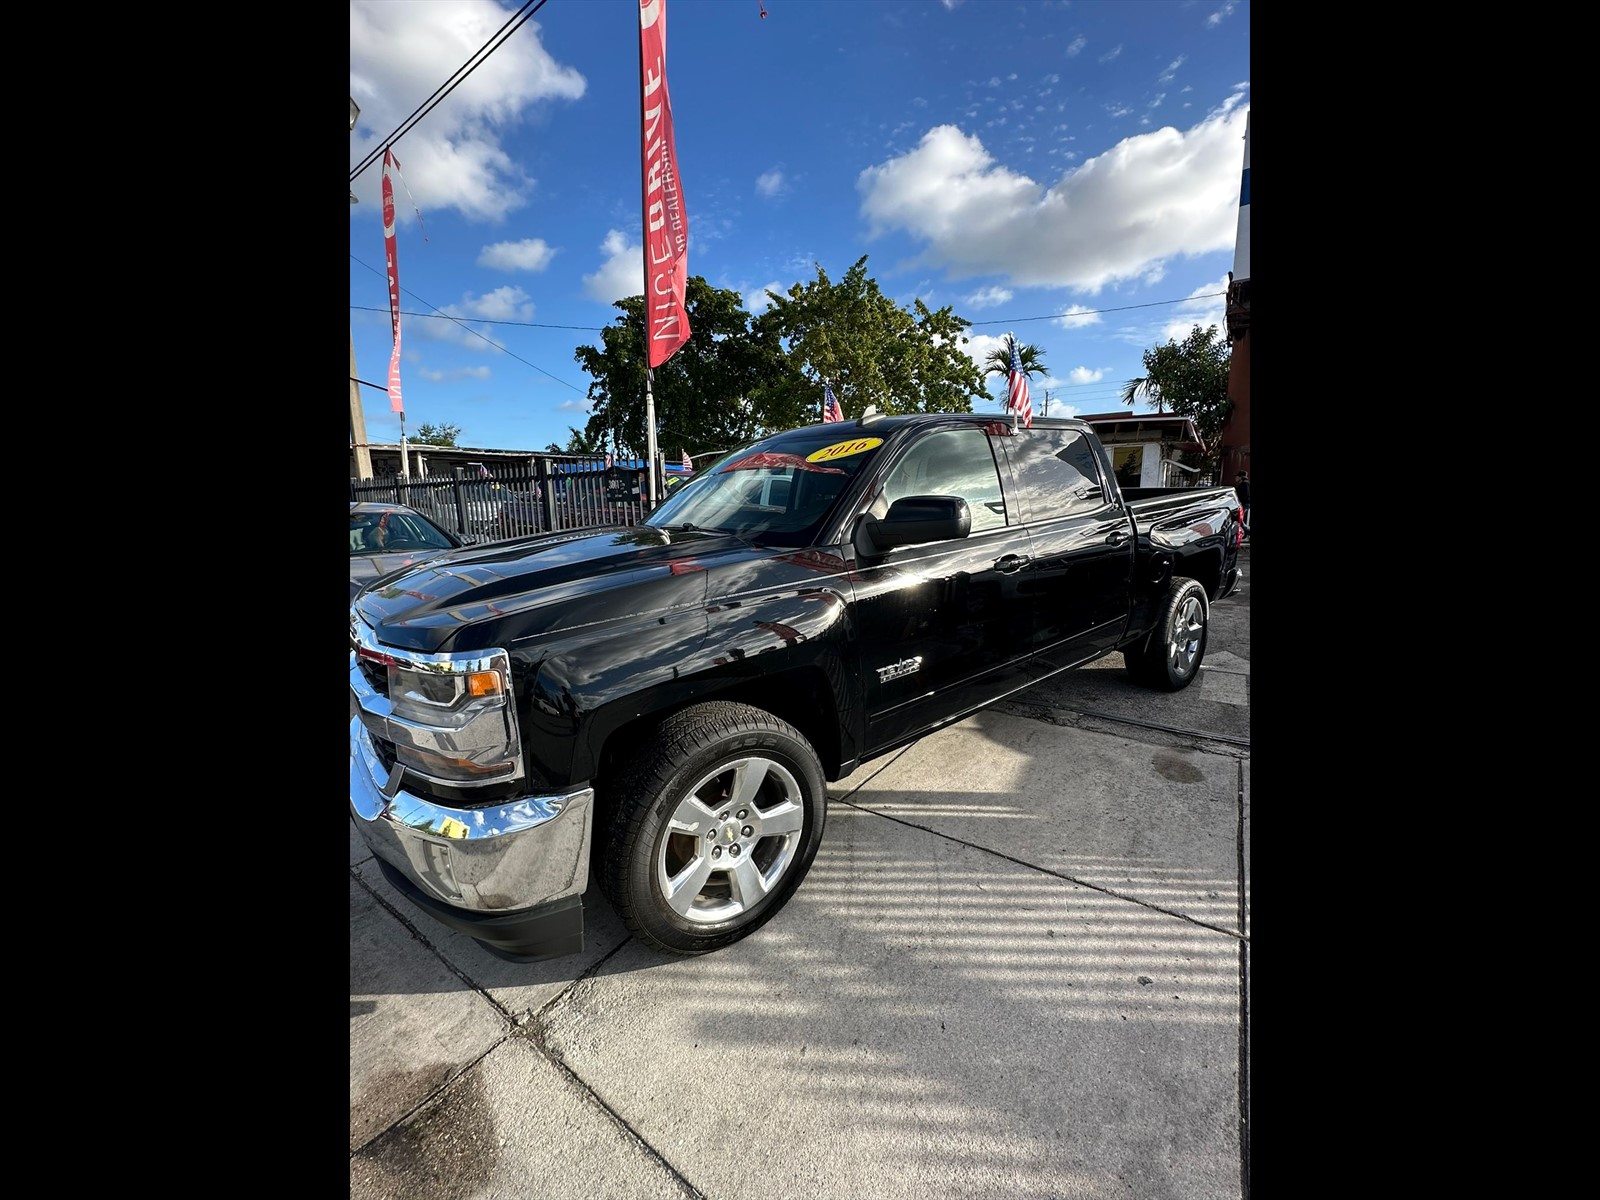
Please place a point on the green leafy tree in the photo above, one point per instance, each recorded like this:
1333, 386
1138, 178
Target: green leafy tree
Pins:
1190, 378
579, 441
870, 349
998, 361
727, 384
435, 435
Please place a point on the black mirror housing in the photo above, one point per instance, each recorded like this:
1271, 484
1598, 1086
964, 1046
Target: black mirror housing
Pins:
912, 520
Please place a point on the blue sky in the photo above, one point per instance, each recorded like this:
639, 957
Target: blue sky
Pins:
1068, 171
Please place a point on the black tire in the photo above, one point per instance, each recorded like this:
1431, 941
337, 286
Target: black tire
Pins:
1170, 661
730, 882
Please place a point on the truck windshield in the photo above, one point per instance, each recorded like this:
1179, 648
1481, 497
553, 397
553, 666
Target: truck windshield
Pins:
778, 491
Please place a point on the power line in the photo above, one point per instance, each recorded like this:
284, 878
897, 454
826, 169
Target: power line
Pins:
998, 321
461, 73
446, 316
1094, 312
519, 324
439, 314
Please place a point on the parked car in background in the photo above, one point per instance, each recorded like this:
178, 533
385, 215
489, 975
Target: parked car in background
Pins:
386, 537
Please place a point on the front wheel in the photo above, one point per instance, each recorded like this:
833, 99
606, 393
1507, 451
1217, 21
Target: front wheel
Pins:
1171, 659
712, 827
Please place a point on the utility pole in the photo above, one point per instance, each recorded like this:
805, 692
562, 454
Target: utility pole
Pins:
358, 420
358, 416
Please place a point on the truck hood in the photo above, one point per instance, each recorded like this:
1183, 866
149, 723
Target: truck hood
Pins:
500, 594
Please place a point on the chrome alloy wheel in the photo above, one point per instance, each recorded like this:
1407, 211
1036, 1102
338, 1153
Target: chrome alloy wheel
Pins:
730, 840
1184, 634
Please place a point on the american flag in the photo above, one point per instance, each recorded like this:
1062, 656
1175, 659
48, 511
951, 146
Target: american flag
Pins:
1019, 402
688, 465
830, 404
611, 461
483, 471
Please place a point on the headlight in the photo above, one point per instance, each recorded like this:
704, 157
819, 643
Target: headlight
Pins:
449, 716
442, 695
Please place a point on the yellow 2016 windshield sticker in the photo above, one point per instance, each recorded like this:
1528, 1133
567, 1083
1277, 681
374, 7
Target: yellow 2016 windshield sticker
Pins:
843, 449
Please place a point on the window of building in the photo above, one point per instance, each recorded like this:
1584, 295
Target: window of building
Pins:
1127, 463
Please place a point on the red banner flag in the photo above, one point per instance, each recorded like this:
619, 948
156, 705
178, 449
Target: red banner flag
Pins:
395, 403
666, 224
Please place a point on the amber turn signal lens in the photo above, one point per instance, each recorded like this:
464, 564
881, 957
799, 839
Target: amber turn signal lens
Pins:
483, 683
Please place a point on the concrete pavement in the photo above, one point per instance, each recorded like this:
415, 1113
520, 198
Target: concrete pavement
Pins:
1018, 968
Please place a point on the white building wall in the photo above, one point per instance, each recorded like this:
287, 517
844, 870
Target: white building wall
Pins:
1150, 465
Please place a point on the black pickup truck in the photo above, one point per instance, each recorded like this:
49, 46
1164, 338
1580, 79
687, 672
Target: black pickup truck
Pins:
671, 698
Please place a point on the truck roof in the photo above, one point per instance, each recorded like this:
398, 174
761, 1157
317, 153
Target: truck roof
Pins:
882, 423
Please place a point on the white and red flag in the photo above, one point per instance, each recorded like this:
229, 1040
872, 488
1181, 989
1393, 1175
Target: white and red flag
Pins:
395, 403
688, 464
1018, 401
666, 224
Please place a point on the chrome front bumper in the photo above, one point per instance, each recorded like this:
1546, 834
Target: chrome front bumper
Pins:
485, 861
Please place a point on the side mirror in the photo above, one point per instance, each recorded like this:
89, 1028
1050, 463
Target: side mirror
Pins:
912, 520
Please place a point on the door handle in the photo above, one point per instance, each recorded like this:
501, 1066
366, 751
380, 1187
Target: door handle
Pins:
1116, 537
1010, 562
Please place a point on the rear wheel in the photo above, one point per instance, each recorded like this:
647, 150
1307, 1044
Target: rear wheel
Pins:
1171, 659
712, 827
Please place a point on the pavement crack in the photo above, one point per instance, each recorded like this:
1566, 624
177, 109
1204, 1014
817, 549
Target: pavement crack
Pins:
405, 921
536, 1035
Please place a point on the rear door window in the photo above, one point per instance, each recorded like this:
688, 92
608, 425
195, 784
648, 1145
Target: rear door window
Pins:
1056, 473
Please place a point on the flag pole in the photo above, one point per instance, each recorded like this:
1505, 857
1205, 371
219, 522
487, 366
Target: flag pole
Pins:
644, 299
650, 415
1009, 403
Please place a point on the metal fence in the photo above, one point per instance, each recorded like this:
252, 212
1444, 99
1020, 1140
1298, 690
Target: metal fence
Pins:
555, 492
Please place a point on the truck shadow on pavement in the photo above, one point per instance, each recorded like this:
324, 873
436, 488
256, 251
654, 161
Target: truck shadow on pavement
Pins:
1014, 968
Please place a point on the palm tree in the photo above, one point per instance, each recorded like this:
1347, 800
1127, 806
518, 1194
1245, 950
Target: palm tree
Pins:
1145, 385
998, 361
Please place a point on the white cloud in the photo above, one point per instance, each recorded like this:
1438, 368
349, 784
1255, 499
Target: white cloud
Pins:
770, 183
756, 300
453, 159
980, 345
453, 375
1116, 217
1082, 375
1078, 43
530, 254
988, 297
1217, 17
582, 406
1172, 69
509, 303
950, 4
622, 273
1111, 54
453, 322
1207, 305
1076, 316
